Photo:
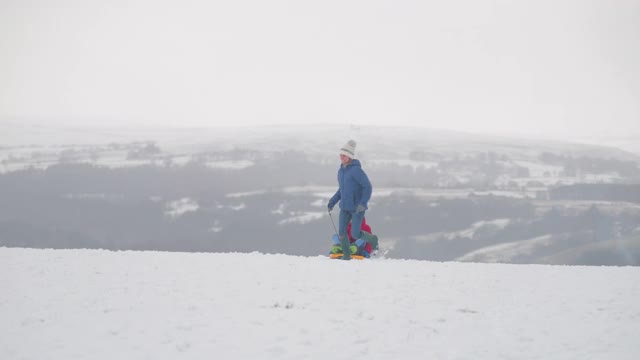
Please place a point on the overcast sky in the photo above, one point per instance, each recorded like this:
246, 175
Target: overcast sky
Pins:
528, 67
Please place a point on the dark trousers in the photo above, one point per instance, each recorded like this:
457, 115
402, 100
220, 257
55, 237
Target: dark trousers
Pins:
356, 224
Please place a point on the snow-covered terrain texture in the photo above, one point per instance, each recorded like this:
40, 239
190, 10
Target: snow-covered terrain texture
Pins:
94, 304
24, 146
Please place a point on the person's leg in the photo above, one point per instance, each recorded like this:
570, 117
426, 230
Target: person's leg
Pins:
345, 217
356, 225
356, 232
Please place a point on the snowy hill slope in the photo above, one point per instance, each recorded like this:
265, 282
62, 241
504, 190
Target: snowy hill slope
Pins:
25, 146
94, 304
560, 249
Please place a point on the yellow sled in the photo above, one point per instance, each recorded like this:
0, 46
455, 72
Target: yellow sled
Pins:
339, 256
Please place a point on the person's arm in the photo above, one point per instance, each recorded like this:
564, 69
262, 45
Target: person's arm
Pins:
334, 200
367, 189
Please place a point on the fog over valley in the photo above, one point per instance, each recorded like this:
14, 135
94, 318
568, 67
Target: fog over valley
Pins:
437, 195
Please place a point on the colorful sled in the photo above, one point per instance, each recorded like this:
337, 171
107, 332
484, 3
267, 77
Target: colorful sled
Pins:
336, 250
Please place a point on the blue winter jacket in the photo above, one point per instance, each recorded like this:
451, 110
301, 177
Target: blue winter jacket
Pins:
354, 187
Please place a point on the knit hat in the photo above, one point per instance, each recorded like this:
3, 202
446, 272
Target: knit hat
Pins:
349, 149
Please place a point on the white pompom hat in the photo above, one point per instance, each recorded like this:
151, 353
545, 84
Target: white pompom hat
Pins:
349, 149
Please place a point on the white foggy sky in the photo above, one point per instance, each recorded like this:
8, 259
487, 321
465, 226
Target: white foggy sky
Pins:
539, 67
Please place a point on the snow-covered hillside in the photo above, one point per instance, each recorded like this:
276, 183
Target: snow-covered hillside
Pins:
93, 304
24, 146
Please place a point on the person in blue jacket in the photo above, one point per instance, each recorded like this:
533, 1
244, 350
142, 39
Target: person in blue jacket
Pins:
354, 192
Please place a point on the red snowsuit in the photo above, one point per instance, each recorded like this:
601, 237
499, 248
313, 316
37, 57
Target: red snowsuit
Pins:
364, 227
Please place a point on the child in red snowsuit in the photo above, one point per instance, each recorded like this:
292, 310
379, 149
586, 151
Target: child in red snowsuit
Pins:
364, 227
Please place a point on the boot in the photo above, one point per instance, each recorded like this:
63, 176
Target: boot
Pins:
346, 248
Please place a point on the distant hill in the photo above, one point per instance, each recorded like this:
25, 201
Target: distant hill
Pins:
438, 195
617, 252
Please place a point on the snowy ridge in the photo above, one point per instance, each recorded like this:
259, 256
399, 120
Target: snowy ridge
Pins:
23, 147
506, 252
93, 304
466, 233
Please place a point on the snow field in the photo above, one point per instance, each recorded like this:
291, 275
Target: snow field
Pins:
93, 304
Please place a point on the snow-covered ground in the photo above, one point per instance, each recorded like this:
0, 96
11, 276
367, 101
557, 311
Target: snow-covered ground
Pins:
92, 304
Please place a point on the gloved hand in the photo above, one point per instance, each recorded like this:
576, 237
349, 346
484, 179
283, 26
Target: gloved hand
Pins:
330, 206
360, 208
335, 239
362, 247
